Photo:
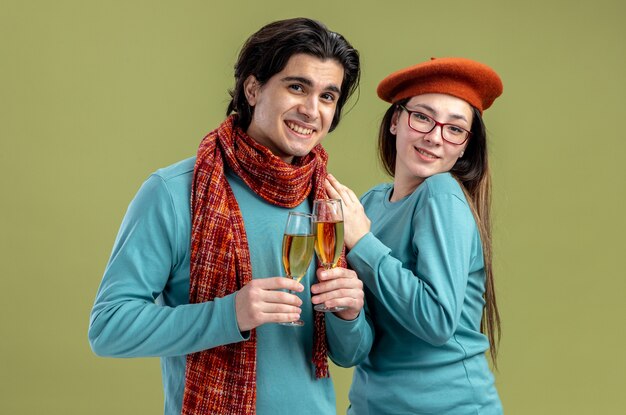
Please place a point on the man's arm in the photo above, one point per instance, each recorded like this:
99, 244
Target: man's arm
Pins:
125, 320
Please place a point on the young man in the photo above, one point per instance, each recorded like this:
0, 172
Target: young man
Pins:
194, 276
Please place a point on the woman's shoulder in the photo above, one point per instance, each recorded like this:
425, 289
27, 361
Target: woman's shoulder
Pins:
441, 188
377, 191
442, 183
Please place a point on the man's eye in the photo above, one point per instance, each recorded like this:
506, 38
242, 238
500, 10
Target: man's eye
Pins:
328, 97
296, 87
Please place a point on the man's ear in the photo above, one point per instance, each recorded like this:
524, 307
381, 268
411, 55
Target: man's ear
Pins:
251, 88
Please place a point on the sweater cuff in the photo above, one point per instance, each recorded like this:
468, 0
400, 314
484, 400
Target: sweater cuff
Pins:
332, 319
225, 306
367, 253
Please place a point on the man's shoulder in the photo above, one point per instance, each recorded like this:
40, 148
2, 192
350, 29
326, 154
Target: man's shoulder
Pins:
171, 184
174, 179
179, 170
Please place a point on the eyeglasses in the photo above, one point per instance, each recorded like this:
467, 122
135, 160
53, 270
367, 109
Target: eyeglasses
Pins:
422, 123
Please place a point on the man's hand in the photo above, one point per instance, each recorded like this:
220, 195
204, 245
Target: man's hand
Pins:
259, 302
339, 287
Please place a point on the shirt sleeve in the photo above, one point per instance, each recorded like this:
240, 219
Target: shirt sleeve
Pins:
426, 300
125, 320
349, 342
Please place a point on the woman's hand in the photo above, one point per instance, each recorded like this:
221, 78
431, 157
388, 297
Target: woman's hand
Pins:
355, 222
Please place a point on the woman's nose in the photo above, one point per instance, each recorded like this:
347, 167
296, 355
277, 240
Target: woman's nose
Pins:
435, 135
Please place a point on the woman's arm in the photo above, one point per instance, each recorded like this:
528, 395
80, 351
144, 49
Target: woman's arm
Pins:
426, 299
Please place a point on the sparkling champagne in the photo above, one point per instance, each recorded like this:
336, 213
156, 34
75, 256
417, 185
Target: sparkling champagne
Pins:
297, 254
328, 242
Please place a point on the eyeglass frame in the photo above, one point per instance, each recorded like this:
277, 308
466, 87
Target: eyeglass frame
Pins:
437, 123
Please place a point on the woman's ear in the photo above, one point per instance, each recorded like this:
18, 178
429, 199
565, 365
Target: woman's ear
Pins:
393, 128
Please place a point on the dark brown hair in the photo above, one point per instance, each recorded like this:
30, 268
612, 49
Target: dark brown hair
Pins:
473, 174
267, 52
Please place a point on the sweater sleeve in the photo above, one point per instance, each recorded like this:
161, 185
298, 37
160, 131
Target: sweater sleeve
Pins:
125, 320
426, 300
349, 342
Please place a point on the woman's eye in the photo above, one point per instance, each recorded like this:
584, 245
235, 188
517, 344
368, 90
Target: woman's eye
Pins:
455, 130
420, 117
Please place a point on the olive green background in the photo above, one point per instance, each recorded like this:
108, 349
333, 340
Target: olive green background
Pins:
95, 95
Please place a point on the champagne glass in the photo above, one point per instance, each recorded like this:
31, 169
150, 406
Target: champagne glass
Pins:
328, 229
298, 243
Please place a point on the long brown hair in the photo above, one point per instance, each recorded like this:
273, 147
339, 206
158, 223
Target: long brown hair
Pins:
473, 174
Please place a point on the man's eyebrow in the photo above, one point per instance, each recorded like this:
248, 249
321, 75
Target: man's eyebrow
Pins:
309, 83
299, 79
433, 111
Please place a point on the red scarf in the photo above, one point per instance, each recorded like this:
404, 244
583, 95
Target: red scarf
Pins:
222, 380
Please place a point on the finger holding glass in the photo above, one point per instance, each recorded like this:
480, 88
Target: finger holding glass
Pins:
356, 222
339, 287
328, 229
298, 242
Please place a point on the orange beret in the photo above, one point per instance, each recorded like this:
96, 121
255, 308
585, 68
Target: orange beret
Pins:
471, 81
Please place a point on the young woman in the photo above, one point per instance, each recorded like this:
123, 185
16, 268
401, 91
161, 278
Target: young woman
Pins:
426, 261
